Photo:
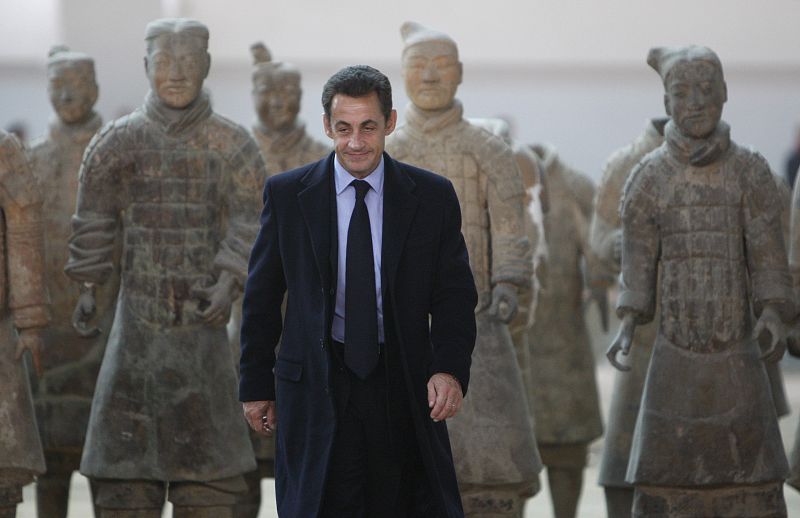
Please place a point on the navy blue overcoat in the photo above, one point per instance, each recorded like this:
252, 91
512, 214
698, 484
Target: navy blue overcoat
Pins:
426, 282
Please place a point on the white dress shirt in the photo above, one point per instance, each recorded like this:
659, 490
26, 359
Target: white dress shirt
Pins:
345, 202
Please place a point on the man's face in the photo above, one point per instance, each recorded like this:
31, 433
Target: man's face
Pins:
432, 74
176, 66
277, 101
695, 94
72, 89
359, 132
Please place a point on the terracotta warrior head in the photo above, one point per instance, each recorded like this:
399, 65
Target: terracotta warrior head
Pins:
276, 90
694, 87
71, 84
177, 60
431, 69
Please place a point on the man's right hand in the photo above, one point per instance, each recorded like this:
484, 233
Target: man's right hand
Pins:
262, 416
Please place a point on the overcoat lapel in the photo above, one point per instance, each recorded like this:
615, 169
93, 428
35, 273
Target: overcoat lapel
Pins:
399, 207
315, 205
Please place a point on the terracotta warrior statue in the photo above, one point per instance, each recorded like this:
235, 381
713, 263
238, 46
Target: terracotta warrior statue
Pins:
563, 389
284, 145
535, 207
494, 449
71, 362
23, 305
177, 180
605, 238
280, 134
702, 210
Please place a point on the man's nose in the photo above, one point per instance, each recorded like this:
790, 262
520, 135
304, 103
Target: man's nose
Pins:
356, 140
66, 96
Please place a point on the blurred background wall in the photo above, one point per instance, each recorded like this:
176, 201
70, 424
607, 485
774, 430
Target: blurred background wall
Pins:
569, 72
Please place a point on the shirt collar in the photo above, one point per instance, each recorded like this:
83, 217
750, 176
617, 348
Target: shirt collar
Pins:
343, 178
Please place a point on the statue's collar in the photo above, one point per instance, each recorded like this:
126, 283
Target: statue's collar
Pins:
79, 132
694, 151
429, 121
278, 142
176, 122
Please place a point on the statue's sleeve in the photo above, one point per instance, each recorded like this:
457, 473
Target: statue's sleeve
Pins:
96, 218
640, 246
243, 204
506, 205
22, 206
764, 246
794, 240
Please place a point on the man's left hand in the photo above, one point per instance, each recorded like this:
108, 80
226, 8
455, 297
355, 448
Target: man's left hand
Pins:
444, 396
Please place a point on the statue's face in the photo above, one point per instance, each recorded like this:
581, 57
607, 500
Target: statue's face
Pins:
277, 101
72, 89
695, 94
432, 73
176, 66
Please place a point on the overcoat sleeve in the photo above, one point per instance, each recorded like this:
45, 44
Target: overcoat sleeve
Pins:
453, 299
261, 308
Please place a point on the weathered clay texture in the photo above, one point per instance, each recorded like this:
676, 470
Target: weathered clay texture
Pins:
23, 306
482, 168
71, 362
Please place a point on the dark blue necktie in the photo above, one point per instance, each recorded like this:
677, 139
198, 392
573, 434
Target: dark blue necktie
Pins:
360, 299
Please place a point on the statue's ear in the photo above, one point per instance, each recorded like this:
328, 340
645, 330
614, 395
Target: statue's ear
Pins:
724, 92
146, 65
667, 107
460, 72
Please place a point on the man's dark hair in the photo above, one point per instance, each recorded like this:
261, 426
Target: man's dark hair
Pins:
358, 81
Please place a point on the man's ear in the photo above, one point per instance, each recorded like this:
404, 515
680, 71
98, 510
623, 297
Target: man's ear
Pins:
326, 124
460, 72
391, 122
667, 107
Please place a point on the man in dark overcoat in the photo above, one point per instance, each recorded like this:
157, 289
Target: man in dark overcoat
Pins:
375, 347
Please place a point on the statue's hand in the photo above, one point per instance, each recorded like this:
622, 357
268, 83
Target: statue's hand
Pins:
31, 339
793, 339
770, 322
216, 300
84, 312
504, 302
622, 342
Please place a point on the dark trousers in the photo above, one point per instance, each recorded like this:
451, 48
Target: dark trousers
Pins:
375, 467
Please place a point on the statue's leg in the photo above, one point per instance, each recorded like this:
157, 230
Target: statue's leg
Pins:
52, 488
10, 496
129, 498
11, 483
565, 464
619, 502
565, 490
212, 499
249, 504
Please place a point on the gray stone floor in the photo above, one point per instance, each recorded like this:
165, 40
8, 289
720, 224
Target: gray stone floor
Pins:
592, 504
